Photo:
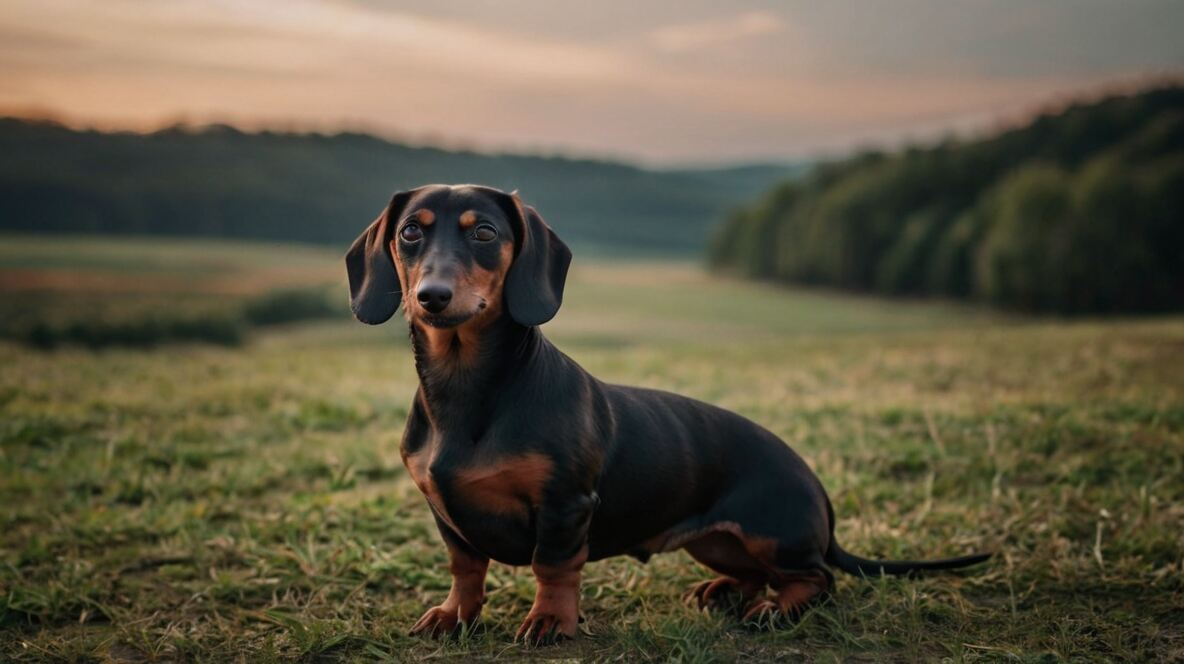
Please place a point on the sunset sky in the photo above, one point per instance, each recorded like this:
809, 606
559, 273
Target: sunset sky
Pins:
667, 81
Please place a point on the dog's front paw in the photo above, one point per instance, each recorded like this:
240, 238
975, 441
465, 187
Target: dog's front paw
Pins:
437, 621
543, 627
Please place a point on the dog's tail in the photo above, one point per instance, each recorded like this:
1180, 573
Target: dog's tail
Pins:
853, 564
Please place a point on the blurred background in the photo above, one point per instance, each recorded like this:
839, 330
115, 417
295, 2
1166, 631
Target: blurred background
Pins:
936, 246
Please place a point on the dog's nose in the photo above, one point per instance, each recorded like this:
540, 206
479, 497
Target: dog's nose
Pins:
434, 296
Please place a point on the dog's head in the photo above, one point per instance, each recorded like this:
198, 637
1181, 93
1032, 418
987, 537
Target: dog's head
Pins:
454, 254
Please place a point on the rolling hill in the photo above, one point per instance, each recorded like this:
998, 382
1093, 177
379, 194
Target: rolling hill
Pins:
219, 181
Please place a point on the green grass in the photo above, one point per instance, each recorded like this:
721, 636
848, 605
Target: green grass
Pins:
195, 502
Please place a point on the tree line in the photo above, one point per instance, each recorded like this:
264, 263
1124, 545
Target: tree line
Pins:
220, 181
1079, 211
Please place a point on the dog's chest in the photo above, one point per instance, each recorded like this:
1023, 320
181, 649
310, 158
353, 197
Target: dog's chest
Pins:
471, 490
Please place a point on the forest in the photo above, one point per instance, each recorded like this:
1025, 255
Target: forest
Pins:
218, 181
1080, 211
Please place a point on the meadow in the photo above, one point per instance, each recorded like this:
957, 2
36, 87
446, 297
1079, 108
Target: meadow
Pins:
246, 501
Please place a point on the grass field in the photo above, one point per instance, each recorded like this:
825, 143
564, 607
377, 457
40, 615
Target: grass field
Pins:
102, 293
198, 502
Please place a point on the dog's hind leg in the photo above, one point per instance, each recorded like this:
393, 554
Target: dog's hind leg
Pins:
754, 546
743, 577
797, 574
794, 593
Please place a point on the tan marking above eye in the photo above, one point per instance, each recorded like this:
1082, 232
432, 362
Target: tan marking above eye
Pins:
425, 217
468, 219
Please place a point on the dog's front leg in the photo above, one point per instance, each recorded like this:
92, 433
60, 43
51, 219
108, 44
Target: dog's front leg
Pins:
467, 595
561, 548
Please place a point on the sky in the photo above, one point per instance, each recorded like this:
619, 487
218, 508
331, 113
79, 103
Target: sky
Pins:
657, 81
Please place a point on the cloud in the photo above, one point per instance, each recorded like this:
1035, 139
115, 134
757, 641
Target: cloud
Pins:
683, 37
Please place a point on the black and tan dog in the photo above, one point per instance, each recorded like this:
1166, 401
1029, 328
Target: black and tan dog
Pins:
525, 458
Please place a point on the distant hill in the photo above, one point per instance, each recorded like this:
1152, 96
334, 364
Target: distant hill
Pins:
219, 181
1080, 211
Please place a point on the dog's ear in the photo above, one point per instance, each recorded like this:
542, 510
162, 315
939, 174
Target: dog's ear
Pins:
534, 285
374, 289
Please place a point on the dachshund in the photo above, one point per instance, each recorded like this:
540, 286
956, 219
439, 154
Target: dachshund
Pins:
526, 459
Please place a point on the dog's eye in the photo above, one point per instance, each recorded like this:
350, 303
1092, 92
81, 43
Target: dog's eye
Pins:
411, 233
485, 233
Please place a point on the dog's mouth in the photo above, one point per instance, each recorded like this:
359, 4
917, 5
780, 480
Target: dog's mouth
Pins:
443, 320
446, 320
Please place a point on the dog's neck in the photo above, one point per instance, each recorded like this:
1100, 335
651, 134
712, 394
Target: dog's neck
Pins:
461, 369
